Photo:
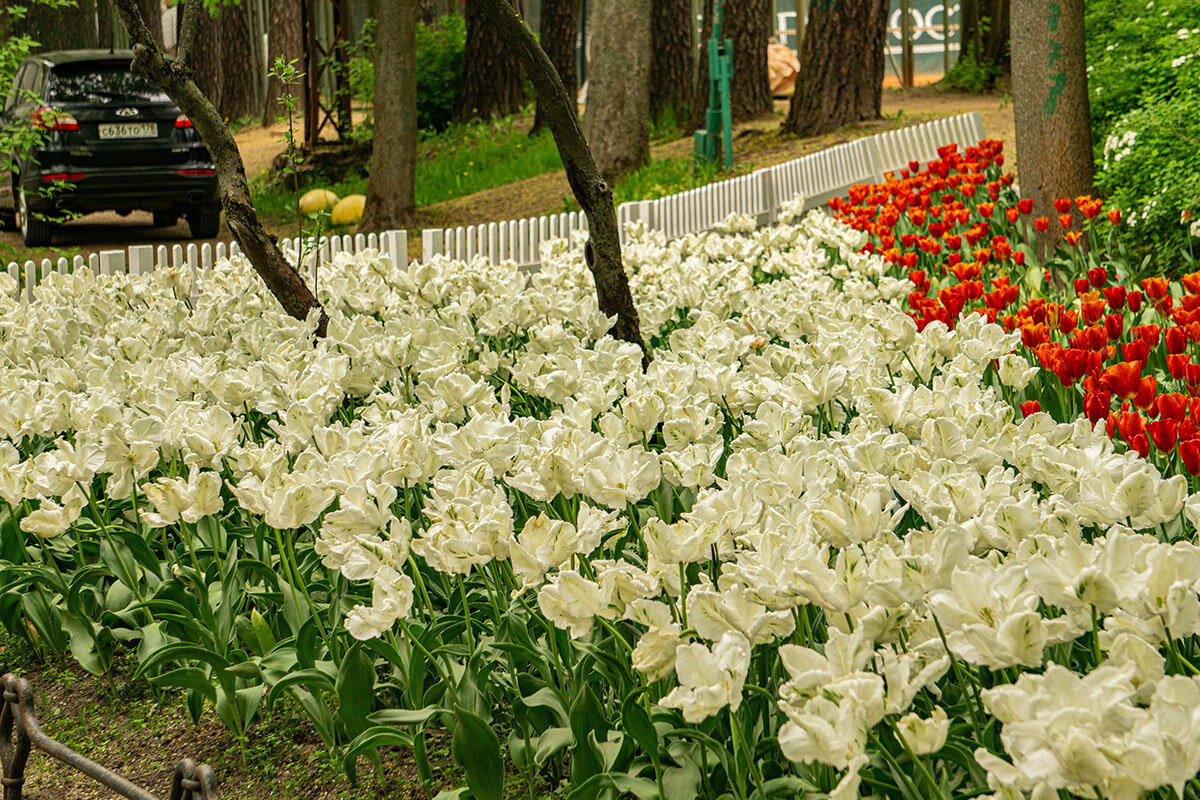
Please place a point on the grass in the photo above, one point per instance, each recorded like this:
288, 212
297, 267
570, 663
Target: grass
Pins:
461, 160
664, 177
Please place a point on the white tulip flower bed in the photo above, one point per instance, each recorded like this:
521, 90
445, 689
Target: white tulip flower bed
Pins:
809, 549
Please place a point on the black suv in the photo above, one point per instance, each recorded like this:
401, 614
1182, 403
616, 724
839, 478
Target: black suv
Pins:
110, 140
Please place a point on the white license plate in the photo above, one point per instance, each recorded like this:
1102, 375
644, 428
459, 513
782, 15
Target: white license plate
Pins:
128, 130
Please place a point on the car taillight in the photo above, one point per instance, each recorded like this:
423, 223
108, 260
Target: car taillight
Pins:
50, 119
56, 177
197, 173
182, 121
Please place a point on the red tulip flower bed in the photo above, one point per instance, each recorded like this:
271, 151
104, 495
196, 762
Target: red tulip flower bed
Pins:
1109, 349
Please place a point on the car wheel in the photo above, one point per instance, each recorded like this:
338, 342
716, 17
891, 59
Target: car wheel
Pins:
165, 219
34, 232
204, 224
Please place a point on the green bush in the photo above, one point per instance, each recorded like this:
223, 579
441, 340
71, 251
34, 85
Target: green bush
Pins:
439, 69
1144, 96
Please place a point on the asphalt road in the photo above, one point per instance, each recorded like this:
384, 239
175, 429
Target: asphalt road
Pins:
102, 231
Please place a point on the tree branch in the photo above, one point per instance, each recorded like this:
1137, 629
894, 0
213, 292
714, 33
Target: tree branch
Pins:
187, 33
592, 192
151, 62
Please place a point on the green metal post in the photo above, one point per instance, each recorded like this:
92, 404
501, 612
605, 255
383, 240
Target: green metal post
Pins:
716, 140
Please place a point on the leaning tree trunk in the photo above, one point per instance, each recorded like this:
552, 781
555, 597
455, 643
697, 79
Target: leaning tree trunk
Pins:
283, 41
700, 84
617, 119
174, 77
841, 67
1050, 104
990, 46
560, 31
491, 84
748, 24
391, 191
224, 66
673, 60
592, 192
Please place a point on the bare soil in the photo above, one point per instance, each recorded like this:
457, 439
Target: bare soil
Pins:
757, 143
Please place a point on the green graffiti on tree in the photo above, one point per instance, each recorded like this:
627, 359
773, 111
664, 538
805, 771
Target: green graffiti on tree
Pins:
1058, 80
1055, 13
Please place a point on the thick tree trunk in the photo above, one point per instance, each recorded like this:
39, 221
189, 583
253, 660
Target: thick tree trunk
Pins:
62, 28
391, 191
223, 63
748, 24
1050, 104
674, 59
560, 32
105, 19
700, 84
174, 77
284, 41
617, 119
432, 10
592, 192
491, 84
841, 67
988, 46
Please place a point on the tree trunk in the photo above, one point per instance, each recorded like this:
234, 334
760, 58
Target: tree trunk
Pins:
61, 28
174, 77
841, 67
700, 85
491, 84
748, 24
223, 63
617, 119
152, 13
988, 46
1050, 105
432, 10
284, 40
560, 32
104, 24
391, 191
673, 60
592, 192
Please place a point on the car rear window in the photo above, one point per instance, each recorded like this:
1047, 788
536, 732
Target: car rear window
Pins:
101, 83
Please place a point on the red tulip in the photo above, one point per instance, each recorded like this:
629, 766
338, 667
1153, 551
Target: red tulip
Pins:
1114, 326
1096, 405
1030, 407
1162, 433
1123, 379
1176, 340
1189, 451
1114, 216
1062, 205
1042, 224
1172, 405
1141, 444
1134, 300
1177, 365
1098, 276
1155, 288
1115, 297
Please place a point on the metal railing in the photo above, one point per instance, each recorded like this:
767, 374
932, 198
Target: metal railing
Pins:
21, 733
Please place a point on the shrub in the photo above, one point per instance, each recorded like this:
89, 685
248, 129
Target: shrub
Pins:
439, 70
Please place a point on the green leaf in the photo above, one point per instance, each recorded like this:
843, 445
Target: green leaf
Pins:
83, 643
636, 722
551, 742
641, 788
403, 716
546, 697
586, 717
191, 678
355, 690
315, 679
476, 748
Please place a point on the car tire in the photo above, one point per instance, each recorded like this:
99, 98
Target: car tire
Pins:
204, 224
34, 232
165, 219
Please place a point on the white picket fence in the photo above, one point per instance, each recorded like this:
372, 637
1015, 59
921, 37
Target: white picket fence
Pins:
816, 177
138, 259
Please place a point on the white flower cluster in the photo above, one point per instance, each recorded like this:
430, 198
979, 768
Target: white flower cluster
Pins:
826, 455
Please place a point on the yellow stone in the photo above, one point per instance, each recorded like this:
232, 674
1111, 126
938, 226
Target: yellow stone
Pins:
349, 210
317, 200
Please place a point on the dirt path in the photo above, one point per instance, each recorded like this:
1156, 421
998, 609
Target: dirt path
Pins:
757, 144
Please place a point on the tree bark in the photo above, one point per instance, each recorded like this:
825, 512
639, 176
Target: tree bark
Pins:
432, 10
491, 84
223, 65
1050, 105
700, 85
391, 191
617, 118
62, 28
673, 60
284, 40
175, 79
748, 24
841, 67
560, 32
592, 192
989, 46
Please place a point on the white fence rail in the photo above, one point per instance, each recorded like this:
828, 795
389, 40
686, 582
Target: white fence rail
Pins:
816, 177
138, 259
